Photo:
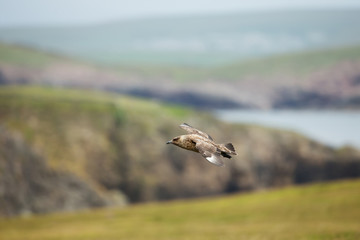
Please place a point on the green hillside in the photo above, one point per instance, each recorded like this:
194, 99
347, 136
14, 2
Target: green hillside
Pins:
96, 149
63, 116
195, 40
293, 64
29, 57
328, 211
296, 63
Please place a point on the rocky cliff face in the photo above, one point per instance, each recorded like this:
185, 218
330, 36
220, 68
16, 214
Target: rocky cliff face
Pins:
64, 149
28, 185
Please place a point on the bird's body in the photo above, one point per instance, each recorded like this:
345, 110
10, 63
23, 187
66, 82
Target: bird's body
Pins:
202, 143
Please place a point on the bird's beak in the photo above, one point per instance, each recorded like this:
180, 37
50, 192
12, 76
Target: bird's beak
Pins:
168, 142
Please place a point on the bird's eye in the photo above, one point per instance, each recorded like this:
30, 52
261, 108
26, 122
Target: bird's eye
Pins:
176, 139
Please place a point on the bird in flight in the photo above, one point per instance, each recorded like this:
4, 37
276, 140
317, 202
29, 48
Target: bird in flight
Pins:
203, 143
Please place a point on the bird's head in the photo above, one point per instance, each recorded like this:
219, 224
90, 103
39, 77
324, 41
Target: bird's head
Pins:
174, 141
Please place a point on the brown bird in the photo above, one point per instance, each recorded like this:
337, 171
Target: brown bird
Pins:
202, 143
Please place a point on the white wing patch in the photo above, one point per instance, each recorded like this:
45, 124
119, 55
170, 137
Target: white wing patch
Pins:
215, 160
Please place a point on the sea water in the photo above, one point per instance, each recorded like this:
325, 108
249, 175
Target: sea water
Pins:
334, 128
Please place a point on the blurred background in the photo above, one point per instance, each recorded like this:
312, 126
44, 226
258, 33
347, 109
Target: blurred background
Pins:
90, 91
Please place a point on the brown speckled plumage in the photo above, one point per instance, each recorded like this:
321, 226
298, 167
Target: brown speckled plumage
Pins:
203, 143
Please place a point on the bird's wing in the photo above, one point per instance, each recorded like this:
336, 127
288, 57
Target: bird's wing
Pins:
210, 153
214, 158
192, 130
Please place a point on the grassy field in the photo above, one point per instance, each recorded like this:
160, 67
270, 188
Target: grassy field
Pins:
319, 211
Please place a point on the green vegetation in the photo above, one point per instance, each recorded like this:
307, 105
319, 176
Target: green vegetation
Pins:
300, 63
92, 100
116, 144
196, 40
27, 57
168, 59
291, 64
56, 111
321, 211
96, 136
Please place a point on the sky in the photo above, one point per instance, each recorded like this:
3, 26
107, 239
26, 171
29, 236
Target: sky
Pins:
72, 12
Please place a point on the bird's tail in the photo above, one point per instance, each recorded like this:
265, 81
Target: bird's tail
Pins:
228, 148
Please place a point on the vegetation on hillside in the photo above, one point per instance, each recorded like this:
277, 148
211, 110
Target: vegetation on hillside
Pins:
285, 81
295, 64
116, 145
195, 40
29, 185
28, 57
328, 211
301, 63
